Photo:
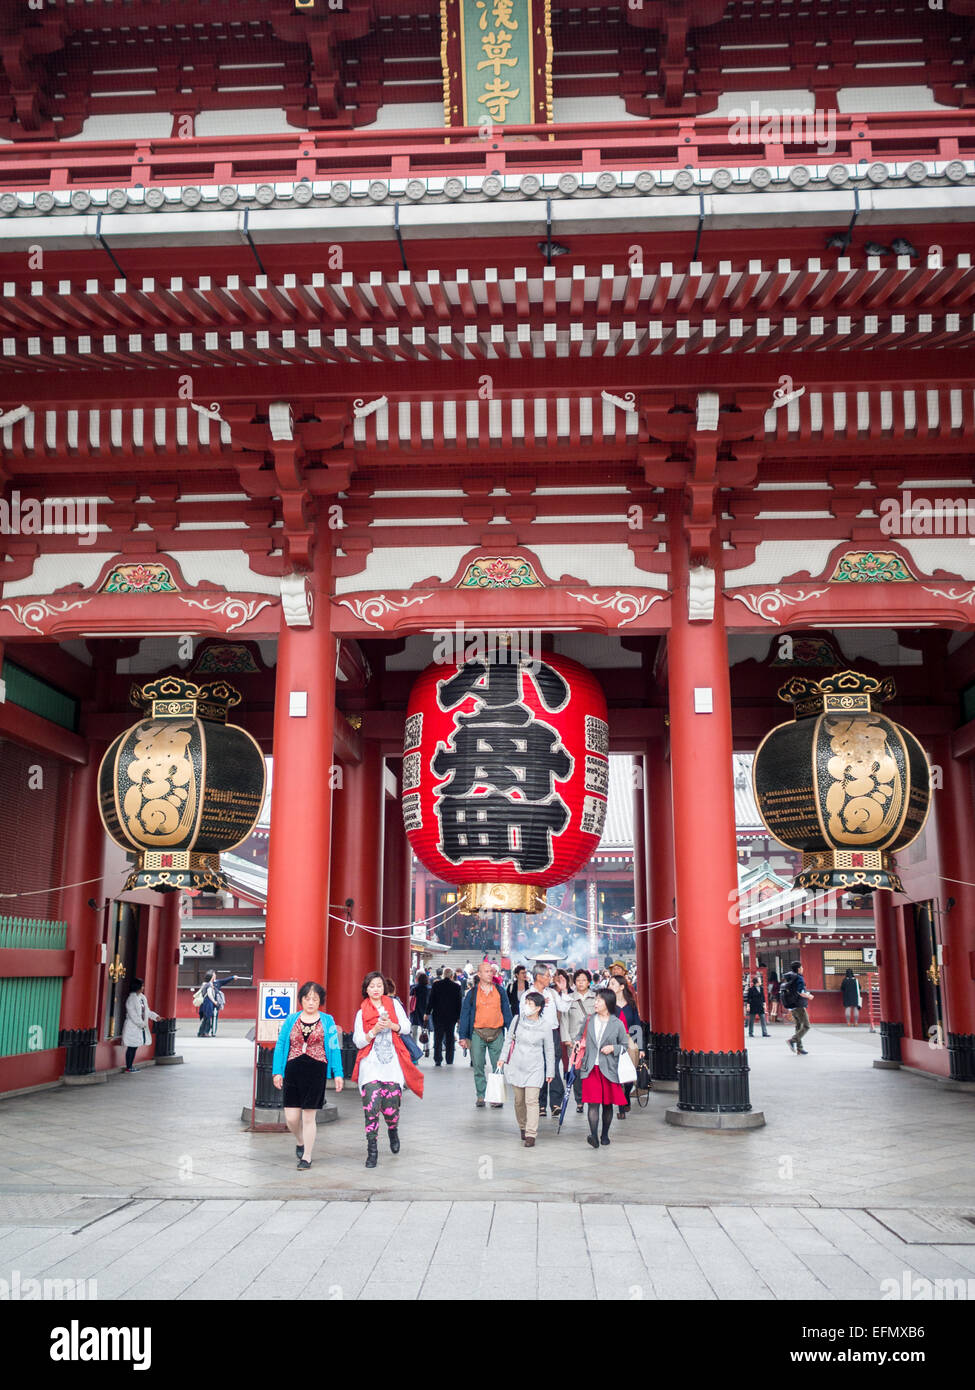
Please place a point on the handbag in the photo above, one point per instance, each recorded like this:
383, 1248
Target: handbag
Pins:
495, 1092
643, 1084
627, 1071
413, 1048
579, 1051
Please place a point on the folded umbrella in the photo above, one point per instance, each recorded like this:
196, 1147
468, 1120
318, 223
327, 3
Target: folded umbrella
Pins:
570, 1077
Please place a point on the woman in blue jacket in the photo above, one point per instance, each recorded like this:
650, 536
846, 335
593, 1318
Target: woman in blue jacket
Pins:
308, 1045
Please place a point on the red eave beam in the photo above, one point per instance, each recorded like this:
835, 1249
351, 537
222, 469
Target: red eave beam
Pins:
29, 729
519, 378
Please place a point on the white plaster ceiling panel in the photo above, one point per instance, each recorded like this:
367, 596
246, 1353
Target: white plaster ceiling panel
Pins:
78, 648
879, 644
227, 568
52, 572
597, 565
415, 656
154, 654
775, 559
953, 553
596, 650
400, 567
742, 647
259, 120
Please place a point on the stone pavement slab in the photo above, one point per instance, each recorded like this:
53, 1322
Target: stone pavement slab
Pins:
421, 1251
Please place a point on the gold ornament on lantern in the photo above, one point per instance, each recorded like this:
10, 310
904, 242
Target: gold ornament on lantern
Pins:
843, 783
182, 785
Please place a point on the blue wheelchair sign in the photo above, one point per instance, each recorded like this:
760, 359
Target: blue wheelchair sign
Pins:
277, 1001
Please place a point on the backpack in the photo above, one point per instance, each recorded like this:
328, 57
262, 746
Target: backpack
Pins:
198, 998
789, 991
220, 999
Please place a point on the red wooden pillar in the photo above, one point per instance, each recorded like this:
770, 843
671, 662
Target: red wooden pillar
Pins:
712, 1069
640, 910
662, 941
81, 860
357, 873
396, 896
295, 944
954, 806
891, 994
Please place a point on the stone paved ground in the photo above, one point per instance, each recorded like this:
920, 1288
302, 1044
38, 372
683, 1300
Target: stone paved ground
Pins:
194, 1206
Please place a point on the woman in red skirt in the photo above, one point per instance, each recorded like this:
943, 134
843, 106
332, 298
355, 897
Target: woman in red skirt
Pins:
605, 1039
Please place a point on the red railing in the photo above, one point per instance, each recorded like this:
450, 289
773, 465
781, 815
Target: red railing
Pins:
572, 148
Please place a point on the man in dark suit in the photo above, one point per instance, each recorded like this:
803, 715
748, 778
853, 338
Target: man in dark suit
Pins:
445, 1002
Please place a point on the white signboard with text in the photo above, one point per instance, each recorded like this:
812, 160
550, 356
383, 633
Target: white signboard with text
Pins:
275, 1000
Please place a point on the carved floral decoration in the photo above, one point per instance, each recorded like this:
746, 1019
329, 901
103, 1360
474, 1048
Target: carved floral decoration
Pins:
871, 567
500, 572
225, 658
140, 578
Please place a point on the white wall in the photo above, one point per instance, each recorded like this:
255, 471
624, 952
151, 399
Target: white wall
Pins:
407, 115
261, 120
888, 99
154, 125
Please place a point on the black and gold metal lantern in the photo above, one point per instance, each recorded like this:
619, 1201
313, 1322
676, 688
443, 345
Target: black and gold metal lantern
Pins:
842, 783
181, 785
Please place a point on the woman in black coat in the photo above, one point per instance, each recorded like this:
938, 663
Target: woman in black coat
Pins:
852, 999
517, 989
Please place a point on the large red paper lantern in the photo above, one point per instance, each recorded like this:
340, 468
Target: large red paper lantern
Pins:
505, 776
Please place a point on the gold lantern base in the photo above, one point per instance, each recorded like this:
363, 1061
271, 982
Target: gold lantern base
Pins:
174, 871
857, 870
501, 897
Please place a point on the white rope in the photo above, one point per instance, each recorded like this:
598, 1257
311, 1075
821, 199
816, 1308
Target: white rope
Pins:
351, 926
33, 892
603, 930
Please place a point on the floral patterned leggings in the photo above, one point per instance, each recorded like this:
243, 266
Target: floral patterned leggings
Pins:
381, 1098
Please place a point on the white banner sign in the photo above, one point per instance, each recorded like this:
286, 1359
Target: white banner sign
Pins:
276, 1000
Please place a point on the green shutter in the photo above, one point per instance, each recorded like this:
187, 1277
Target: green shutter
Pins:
30, 1007
31, 693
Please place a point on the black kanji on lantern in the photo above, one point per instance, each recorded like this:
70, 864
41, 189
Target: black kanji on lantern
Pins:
501, 746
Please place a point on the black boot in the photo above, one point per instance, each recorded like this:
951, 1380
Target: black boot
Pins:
372, 1151
394, 1139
